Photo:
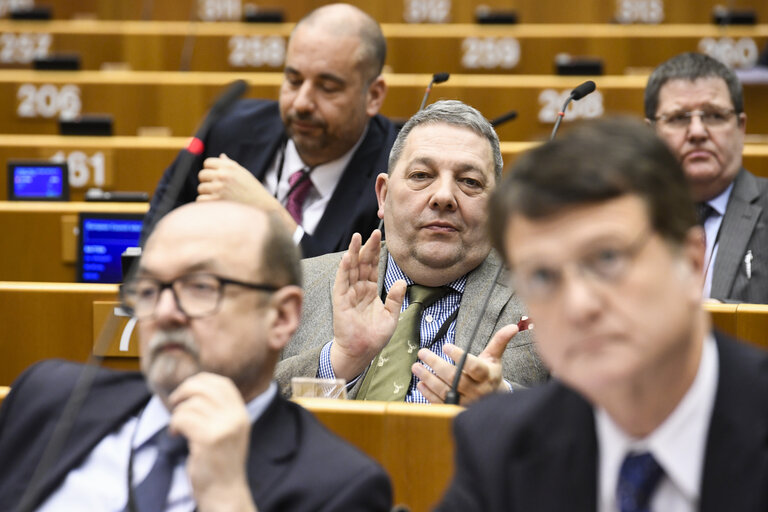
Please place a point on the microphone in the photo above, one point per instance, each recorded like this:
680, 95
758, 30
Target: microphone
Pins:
509, 116
582, 90
195, 148
437, 78
452, 396
31, 496
577, 93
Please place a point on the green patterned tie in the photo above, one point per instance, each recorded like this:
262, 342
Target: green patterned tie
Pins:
389, 376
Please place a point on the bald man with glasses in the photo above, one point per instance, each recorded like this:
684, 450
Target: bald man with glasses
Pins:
696, 105
217, 296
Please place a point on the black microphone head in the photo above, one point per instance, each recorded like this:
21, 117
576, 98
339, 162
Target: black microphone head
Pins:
509, 116
583, 89
439, 78
229, 96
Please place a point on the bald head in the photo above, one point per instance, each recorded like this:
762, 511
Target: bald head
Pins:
347, 20
228, 236
211, 295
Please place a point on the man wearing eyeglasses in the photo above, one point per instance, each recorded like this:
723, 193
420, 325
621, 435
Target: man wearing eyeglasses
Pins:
696, 105
217, 295
648, 408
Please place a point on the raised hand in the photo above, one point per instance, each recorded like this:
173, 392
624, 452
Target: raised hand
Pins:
362, 323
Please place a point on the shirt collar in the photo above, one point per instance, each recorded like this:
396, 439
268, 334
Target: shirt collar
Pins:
156, 417
720, 202
678, 444
325, 176
394, 273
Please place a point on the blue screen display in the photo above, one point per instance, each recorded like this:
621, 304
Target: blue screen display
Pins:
102, 241
33, 182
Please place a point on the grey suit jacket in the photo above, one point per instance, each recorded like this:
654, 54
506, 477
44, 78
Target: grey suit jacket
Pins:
302, 355
744, 228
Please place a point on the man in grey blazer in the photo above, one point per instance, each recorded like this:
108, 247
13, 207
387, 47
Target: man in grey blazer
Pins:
442, 167
696, 105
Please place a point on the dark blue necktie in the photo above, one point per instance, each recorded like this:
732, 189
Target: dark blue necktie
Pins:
704, 211
152, 493
638, 478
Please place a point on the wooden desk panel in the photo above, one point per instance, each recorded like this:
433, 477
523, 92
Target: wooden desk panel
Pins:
136, 163
36, 244
179, 100
455, 48
748, 322
529, 11
410, 441
752, 323
111, 163
50, 320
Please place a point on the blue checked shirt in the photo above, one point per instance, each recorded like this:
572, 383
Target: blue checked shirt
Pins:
431, 321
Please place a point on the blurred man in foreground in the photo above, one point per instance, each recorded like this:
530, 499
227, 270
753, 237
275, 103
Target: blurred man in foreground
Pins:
392, 320
217, 296
696, 104
649, 409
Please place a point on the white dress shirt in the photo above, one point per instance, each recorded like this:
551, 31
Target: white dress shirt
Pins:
101, 482
712, 228
324, 179
678, 444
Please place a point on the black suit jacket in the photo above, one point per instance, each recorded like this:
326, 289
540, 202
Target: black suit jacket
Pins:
253, 132
537, 449
294, 462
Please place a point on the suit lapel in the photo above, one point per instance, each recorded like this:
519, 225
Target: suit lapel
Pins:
478, 283
252, 154
354, 191
558, 470
738, 224
275, 439
736, 462
106, 408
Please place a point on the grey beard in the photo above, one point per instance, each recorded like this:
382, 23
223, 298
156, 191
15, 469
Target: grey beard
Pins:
164, 371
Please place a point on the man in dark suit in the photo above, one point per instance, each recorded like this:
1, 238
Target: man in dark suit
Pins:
696, 104
217, 296
313, 156
443, 166
648, 409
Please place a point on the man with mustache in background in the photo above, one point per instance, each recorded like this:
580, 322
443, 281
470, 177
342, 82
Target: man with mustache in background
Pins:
313, 156
217, 295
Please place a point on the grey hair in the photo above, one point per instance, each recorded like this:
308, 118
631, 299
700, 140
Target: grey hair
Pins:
454, 113
691, 66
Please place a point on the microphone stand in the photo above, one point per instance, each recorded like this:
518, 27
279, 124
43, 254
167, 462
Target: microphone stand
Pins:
437, 78
577, 93
63, 428
452, 396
